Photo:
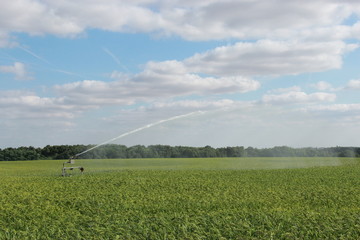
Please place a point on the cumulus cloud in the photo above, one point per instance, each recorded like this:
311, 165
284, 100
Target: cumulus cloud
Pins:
322, 30
158, 81
294, 97
18, 69
323, 86
177, 77
246, 19
223, 70
268, 57
36, 17
70, 18
192, 20
28, 105
353, 84
330, 33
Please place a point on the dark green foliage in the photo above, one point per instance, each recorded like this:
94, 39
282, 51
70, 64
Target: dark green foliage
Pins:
111, 151
21, 153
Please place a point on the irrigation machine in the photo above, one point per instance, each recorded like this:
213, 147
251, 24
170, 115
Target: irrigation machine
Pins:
65, 168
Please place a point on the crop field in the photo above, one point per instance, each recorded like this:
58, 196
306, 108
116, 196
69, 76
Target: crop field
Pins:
246, 198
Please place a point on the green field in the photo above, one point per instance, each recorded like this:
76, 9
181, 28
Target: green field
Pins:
246, 198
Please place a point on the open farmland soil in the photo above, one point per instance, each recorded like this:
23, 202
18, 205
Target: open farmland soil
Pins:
149, 201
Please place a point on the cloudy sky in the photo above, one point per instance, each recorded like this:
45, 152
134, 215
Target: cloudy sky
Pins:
253, 73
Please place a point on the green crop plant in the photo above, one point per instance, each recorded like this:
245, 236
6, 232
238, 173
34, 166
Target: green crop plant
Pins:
182, 199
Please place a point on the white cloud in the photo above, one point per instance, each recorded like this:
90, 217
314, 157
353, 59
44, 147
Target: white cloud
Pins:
219, 71
337, 107
36, 17
159, 81
353, 84
27, 105
267, 57
18, 69
322, 86
192, 20
256, 19
319, 27
177, 77
156, 82
191, 105
294, 97
347, 114
330, 33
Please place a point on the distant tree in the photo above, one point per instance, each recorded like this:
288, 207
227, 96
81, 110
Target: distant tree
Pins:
251, 152
161, 151
166, 151
137, 151
207, 151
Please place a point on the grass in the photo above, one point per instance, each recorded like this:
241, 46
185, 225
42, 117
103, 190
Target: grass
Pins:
262, 198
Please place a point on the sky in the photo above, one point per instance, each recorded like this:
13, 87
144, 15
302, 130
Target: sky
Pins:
237, 72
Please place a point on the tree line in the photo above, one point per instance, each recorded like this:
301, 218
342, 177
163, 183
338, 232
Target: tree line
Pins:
166, 151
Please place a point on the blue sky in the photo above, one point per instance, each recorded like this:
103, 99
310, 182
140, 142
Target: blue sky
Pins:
254, 73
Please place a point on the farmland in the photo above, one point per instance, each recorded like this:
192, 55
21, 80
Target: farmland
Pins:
247, 198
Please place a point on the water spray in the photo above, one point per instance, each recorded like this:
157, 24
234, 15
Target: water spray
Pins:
72, 159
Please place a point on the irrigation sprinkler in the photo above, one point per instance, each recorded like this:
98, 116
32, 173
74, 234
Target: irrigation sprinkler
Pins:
65, 169
72, 159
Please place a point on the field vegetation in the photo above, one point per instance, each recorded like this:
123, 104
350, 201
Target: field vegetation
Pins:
213, 198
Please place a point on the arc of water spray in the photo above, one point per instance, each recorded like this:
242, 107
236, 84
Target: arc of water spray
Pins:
140, 129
